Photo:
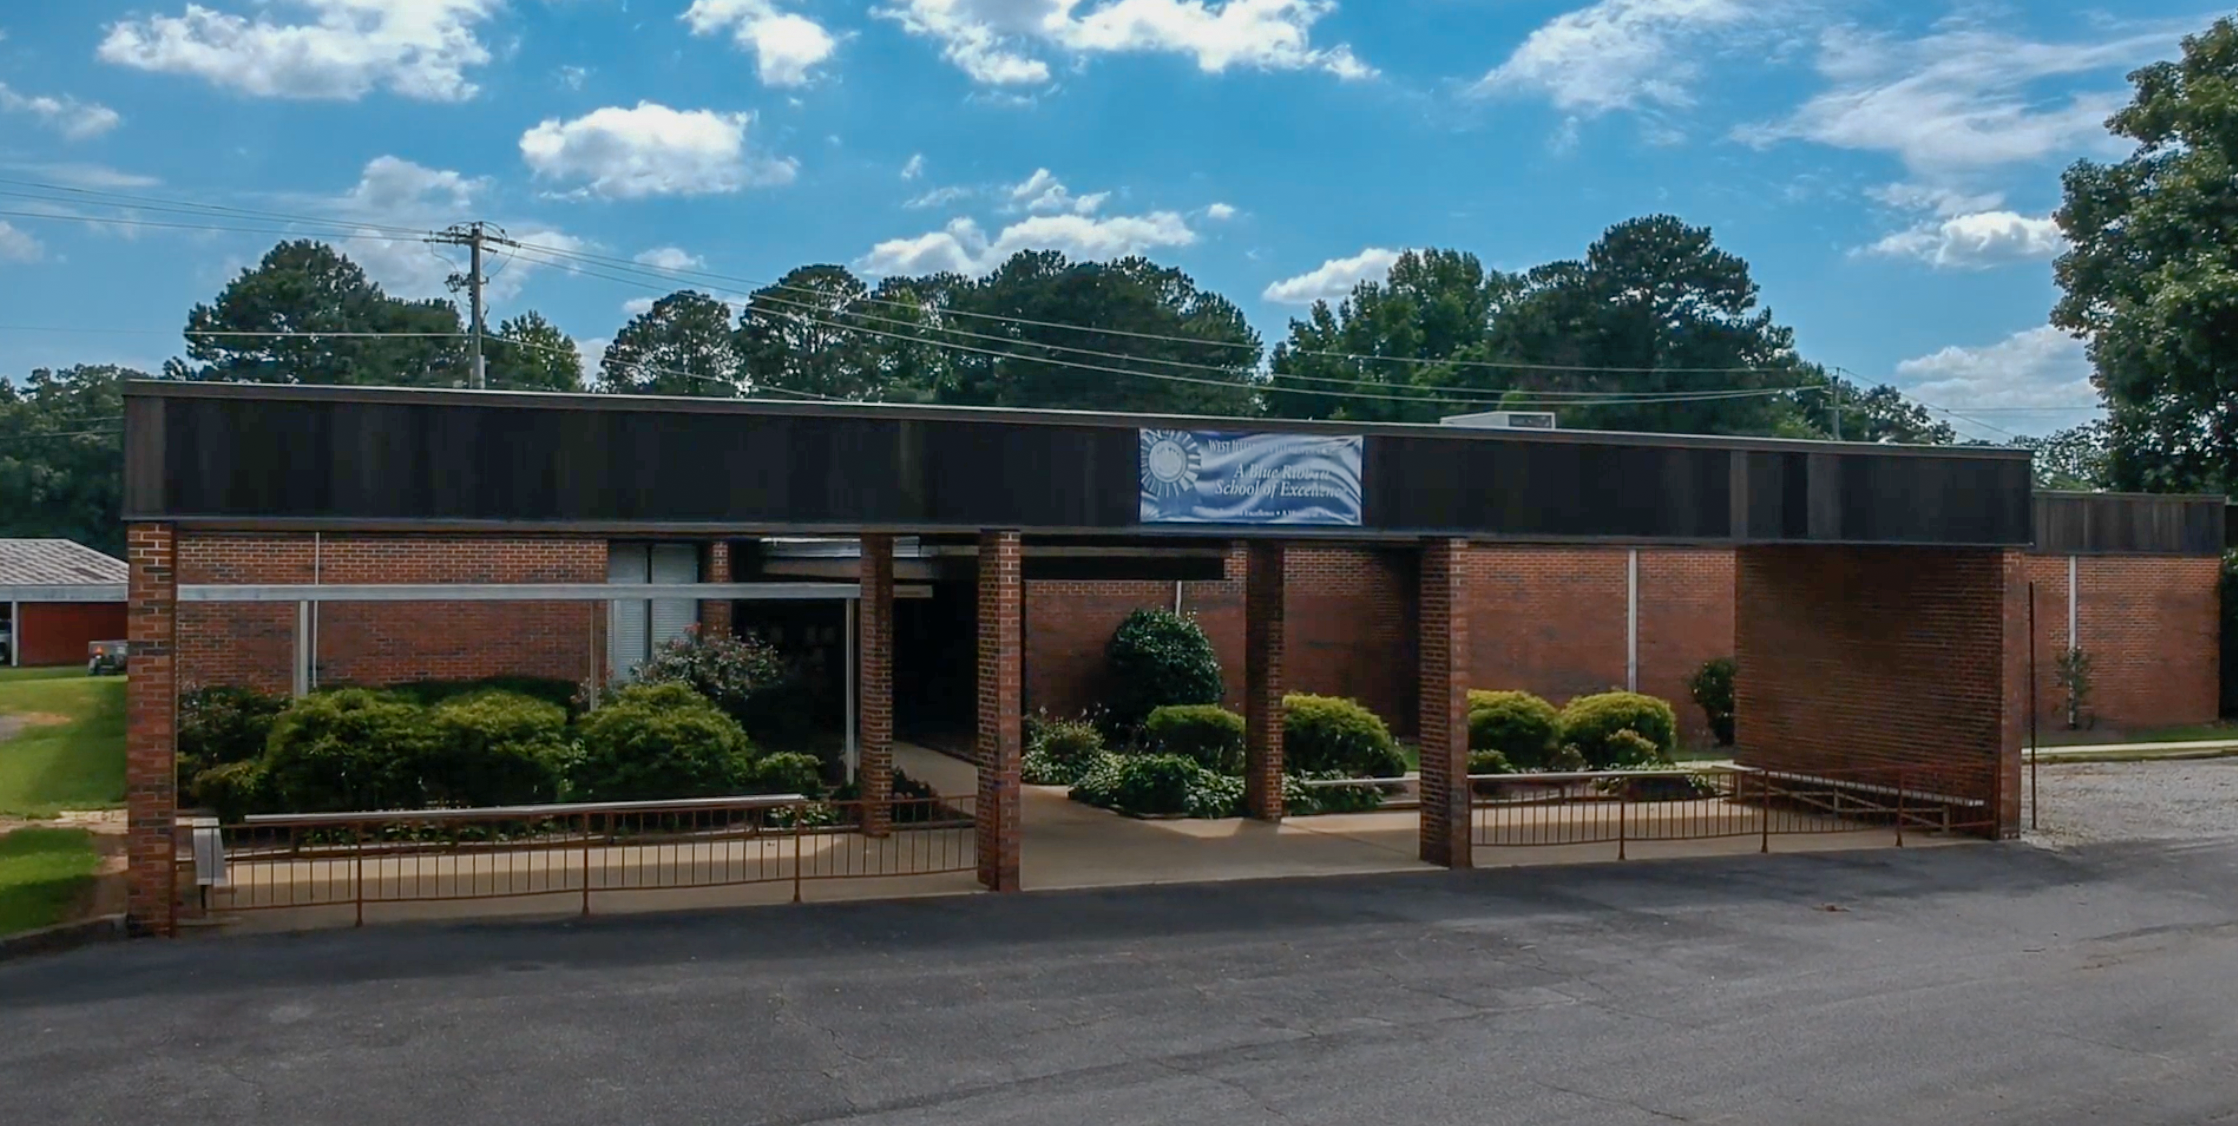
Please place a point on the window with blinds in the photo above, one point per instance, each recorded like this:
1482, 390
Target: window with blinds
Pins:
637, 628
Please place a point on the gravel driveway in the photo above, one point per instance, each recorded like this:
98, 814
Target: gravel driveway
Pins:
2085, 803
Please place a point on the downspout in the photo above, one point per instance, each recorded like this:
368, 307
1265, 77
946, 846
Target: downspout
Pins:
318, 551
1632, 620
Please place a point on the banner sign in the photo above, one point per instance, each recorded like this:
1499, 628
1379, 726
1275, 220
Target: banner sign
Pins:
1235, 477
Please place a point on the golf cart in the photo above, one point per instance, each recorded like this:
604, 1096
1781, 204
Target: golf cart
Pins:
105, 658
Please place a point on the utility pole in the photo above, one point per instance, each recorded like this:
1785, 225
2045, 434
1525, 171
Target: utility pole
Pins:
1836, 380
472, 236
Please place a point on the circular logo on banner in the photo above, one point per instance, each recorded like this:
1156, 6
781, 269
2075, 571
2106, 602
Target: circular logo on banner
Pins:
1169, 463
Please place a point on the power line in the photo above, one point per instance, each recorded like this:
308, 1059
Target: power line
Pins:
1231, 385
187, 226
156, 204
673, 275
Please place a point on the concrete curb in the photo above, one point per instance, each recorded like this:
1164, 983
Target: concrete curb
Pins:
62, 936
2128, 754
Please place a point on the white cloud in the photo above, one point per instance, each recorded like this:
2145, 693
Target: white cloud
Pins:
2034, 368
1220, 212
66, 115
997, 42
651, 150
413, 48
1043, 194
1959, 99
670, 258
17, 246
962, 247
1333, 280
638, 306
938, 197
786, 45
1975, 240
394, 196
915, 167
1621, 54
593, 350
89, 175
573, 77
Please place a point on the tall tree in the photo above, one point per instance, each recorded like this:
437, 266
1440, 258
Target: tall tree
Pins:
683, 345
2074, 458
1655, 308
812, 333
2150, 279
61, 456
529, 353
1000, 347
1419, 331
266, 326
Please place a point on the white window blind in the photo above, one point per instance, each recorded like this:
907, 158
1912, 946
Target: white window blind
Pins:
671, 617
629, 626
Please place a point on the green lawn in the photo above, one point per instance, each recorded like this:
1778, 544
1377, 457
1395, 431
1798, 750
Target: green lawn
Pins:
2059, 736
77, 763
43, 873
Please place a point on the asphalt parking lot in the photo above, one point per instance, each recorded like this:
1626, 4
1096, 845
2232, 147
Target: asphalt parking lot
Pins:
1978, 984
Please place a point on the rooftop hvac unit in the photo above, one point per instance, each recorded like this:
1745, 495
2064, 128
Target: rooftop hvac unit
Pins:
1504, 420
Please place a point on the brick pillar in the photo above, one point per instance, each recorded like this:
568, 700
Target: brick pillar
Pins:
151, 710
1444, 724
874, 683
714, 614
1001, 611
2012, 734
1262, 679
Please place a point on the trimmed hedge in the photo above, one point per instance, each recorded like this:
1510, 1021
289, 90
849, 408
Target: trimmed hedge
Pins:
1325, 734
220, 727
562, 694
349, 749
1522, 728
1158, 657
1712, 689
653, 741
1593, 724
1209, 735
495, 748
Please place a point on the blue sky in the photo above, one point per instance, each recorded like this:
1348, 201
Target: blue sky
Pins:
1888, 169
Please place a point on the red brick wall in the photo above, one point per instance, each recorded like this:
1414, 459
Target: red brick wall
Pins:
1069, 623
384, 643
1872, 658
2151, 627
1350, 626
56, 633
1686, 618
151, 799
1548, 620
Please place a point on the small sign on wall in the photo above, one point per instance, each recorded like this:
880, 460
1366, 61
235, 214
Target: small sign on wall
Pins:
1239, 477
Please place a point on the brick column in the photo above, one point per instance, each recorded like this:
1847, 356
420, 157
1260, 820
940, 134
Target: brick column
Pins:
1001, 611
1262, 678
1444, 724
874, 683
151, 709
714, 614
2012, 734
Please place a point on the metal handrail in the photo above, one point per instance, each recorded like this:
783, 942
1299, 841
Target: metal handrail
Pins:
527, 812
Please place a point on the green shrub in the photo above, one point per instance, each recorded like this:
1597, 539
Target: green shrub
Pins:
1590, 723
1036, 768
1214, 796
739, 673
1633, 750
1712, 689
1327, 734
1301, 800
1521, 727
1157, 658
558, 693
1489, 762
218, 727
234, 790
1098, 781
789, 772
495, 748
1071, 743
1568, 760
347, 750
1207, 734
655, 741
1155, 783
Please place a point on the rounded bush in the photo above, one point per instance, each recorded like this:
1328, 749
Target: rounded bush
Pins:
1158, 657
1154, 783
234, 790
1070, 743
559, 693
1712, 689
1521, 727
1209, 735
735, 672
495, 748
1489, 762
348, 750
656, 741
1325, 734
1591, 724
220, 726
789, 772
